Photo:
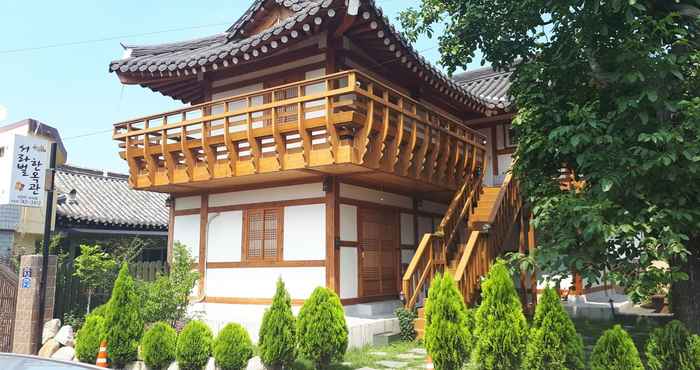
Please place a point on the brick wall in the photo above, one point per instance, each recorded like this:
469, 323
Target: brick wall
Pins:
25, 339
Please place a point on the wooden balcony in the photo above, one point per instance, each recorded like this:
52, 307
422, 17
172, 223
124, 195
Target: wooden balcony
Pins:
340, 124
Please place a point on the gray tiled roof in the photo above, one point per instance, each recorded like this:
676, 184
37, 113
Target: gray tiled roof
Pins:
105, 200
186, 59
488, 85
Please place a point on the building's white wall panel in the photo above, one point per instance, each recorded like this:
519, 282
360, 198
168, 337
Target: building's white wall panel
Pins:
225, 236
488, 172
408, 236
186, 231
193, 202
425, 225
504, 163
260, 282
291, 192
348, 223
238, 91
305, 232
348, 272
375, 196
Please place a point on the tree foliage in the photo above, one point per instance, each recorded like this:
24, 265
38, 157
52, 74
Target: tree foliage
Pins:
615, 350
322, 333
447, 326
95, 269
166, 298
553, 342
501, 328
123, 323
609, 90
277, 337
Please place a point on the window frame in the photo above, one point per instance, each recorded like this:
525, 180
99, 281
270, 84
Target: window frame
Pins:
245, 257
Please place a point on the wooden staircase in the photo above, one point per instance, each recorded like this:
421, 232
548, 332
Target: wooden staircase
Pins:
489, 215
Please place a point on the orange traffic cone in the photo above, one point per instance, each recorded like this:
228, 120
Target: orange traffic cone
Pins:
102, 359
428, 362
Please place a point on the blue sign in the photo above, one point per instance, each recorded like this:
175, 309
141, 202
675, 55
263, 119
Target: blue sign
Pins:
26, 282
26, 272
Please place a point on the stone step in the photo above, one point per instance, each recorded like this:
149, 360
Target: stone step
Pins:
383, 339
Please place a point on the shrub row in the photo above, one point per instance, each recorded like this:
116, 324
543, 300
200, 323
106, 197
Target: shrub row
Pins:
319, 334
496, 335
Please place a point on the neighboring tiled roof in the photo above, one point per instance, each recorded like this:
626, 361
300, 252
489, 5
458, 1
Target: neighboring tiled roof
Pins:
183, 60
488, 85
105, 200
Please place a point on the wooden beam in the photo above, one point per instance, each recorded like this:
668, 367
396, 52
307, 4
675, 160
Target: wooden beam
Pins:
332, 233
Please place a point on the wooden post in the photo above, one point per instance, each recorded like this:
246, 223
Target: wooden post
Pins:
531, 249
330, 186
522, 246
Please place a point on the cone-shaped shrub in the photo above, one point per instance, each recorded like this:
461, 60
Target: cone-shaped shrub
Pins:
194, 345
158, 345
87, 340
615, 350
447, 328
232, 348
501, 328
123, 323
695, 349
277, 338
670, 347
322, 333
553, 342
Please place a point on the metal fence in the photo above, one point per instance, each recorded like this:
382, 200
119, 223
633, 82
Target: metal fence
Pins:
8, 303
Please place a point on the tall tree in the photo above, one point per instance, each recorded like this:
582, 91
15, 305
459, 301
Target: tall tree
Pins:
607, 89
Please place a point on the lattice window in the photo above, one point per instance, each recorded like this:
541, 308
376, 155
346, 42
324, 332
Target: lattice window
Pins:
263, 234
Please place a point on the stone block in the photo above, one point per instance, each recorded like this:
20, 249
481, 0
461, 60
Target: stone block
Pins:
64, 353
136, 365
50, 329
65, 336
49, 348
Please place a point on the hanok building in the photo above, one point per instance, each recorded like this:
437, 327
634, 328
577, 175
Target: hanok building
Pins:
319, 146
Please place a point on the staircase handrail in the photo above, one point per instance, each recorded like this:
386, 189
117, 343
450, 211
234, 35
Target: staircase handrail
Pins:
483, 246
423, 267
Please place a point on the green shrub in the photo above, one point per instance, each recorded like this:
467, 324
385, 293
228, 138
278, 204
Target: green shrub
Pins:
553, 342
277, 338
670, 347
232, 348
100, 310
447, 329
615, 350
194, 345
158, 345
501, 328
407, 323
123, 324
695, 349
321, 330
88, 338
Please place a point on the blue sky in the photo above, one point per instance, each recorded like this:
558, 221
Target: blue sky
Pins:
69, 87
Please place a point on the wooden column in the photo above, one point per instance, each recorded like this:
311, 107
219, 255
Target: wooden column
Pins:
531, 250
330, 186
522, 246
171, 230
203, 221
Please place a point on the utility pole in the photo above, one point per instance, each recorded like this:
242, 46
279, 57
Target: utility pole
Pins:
48, 217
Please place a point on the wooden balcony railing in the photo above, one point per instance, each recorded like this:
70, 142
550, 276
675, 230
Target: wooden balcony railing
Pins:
485, 245
431, 254
346, 117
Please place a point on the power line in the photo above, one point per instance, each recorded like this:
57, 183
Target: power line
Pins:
111, 38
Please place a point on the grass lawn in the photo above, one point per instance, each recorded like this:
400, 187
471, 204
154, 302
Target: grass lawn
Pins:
371, 356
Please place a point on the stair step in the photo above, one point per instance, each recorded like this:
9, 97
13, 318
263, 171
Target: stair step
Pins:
383, 339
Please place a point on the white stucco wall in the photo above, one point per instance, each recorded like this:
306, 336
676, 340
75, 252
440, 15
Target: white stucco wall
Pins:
260, 282
304, 232
348, 273
186, 231
192, 202
348, 223
291, 192
225, 236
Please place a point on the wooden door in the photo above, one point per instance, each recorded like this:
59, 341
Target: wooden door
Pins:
378, 252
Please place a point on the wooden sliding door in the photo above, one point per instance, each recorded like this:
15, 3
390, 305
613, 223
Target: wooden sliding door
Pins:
379, 263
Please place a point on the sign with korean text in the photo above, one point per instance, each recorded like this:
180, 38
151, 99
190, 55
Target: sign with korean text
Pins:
25, 159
